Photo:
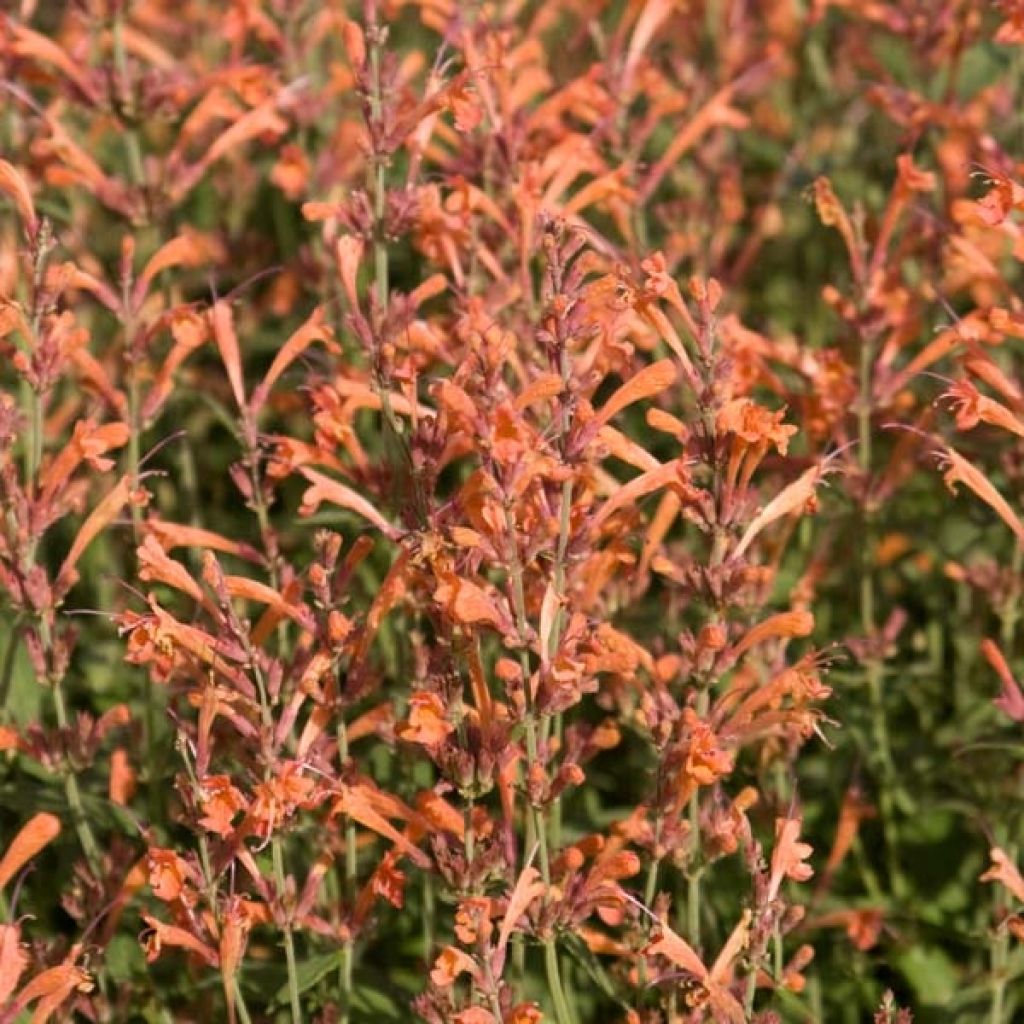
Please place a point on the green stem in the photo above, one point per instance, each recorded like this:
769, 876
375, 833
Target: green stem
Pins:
558, 582
289, 940
429, 917
874, 668
243, 1010
554, 979
999, 954
693, 878
1010, 612
563, 1013
999, 951
470, 837
131, 139
349, 888
749, 993
651, 885
277, 854
134, 458
33, 460
90, 847
10, 654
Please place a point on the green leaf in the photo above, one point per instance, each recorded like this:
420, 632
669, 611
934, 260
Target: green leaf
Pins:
931, 974
374, 1002
124, 959
309, 972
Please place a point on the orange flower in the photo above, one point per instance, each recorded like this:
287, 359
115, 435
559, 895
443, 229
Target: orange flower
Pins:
221, 801
253, 590
291, 172
189, 249
1004, 194
652, 17
645, 483
449, 965
13, 960
852, 812
1011, 700
14, 185
725, 1007
959, 471
278, 798
32, 45
1003, 870
833, 215
475, 1015
52, 988
122, 778
469, 604
89, 443
349, 253
705, 760
173, 535
369, 807
236, 922
792, 498
260, 121
716, 111
527, 890
784, 624
525, 1013
755, 425
473, 920
326, 489
189, 331
224, 335
314, 329
863, 926
36, 833
650, 381
100, 517
171, 935
973, 408
789, 855
427, 723
156, 567
168, 875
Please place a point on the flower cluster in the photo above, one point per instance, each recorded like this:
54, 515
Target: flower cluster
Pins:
471, 543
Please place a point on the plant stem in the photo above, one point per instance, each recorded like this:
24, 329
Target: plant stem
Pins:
90, 847
999, 950
1010, 612
562, 1013
874, 669
10, 653
277, 853
999, 953
349, 887
131, 139
243, 1010
289, 940
33, 460
693, 878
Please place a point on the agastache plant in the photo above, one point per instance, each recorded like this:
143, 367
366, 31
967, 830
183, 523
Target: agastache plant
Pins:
511, 512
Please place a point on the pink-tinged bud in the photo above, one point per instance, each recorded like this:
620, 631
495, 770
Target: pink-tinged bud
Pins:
240, 478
